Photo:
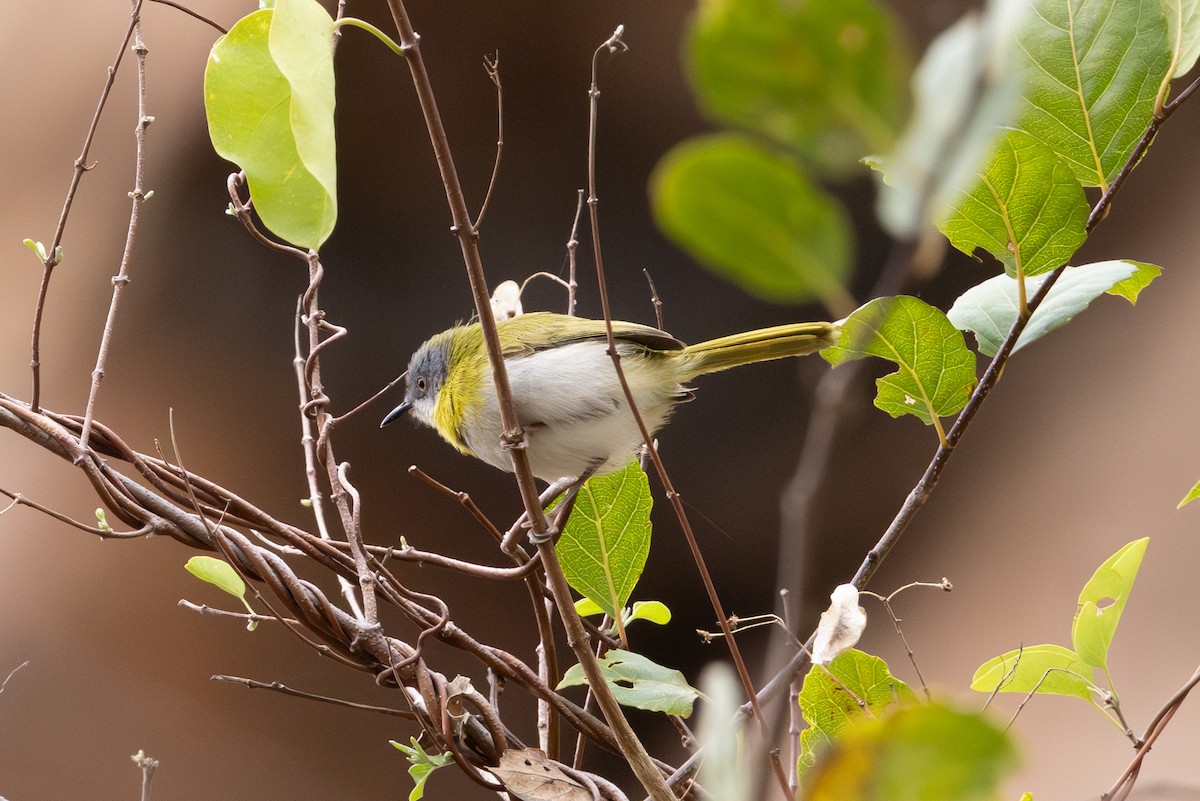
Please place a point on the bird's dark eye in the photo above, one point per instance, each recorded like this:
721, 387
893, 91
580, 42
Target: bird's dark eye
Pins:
421, 384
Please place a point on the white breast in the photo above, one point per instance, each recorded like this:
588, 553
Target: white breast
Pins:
573, 409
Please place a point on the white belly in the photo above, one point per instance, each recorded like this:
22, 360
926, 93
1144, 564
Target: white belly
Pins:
574, 410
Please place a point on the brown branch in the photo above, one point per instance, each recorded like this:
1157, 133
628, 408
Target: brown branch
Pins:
612, 44
191, 13
1125, 781
514, 436
137, 197
81, 166
274, 686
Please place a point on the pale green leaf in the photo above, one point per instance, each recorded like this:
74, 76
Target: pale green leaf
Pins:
827, 708
1132, 286
965, 87
1192, 495
37, 247
937, 371
1183, 34
990, 308
585, 607
753, 218
269, 97
1027, 209
217, 572
1046, 669
928, 752
825, 78
1093, 70
604, 545
653, 611
1103, 600
640, 683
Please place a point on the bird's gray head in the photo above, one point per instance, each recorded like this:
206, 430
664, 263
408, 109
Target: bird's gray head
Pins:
426, 374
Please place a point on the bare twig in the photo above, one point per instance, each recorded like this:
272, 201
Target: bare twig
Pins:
138, 196
147, 766
1124, 783
275, 686
613, 44
11, 673
53, 252
491, 65
191, 13
572, 246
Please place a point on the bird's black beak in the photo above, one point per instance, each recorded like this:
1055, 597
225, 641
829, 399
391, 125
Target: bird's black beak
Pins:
394, 413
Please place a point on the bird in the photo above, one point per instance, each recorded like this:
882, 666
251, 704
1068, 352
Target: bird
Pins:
565, 389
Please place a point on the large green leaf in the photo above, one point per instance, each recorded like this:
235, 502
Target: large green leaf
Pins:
753, 218
1102, 601
1027, 209
1048, 669
269, 96
640, 683
827, 708
1094, 69
990, 308
604, 545
825, 77
929, 752
937, 371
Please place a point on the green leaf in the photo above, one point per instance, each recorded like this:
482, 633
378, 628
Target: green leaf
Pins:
915, 753
604, 545
1103, 600
1183, 35
1192, 495
1046, 669
824, 77
219, 573
640, 683
828, 708
964, 88
1093, 70
37, 247
585, 607
990, 309
423, 765
269, 96
937, 372
753, 218
653, 611
1132, 286
1027, 209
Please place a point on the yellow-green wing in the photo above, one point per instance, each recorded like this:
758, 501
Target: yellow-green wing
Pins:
529, 333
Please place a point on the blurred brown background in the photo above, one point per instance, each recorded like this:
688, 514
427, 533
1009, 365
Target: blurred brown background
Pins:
1088, 443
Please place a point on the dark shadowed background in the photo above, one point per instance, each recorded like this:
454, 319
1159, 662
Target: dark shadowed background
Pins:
1089, 442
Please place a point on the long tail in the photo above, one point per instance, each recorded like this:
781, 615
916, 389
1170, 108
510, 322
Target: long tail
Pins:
797, 339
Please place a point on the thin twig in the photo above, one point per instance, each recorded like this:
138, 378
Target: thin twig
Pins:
192, 13
53, 252
572, 246
275, 686
492, 66
138, 196
108, 533
655, 300
1125, 781
613, 44
11, 673
147, 766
